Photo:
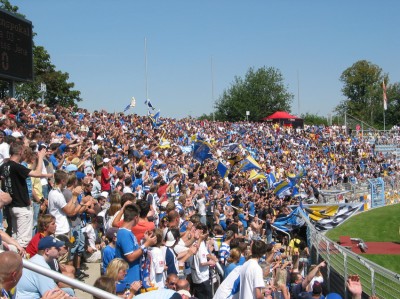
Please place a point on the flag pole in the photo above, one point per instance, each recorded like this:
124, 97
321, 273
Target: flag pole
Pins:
212, 85
145, 65
384, 104
298, 94
384, 121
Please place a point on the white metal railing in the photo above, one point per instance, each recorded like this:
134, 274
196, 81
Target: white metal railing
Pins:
70, 281
342, 262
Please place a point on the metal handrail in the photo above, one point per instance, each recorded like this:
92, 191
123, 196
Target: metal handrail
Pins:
67, 280
316, 238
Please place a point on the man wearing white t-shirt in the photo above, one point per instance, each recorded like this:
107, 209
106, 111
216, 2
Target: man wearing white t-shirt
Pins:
251, 274
59, 208
200, 269
229, 287
4, 148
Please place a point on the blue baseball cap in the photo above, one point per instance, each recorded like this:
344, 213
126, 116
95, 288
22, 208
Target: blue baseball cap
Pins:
71, 168
48, 242
333, 296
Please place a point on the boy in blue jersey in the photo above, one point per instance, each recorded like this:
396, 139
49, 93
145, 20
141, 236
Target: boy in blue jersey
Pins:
109, 250
127, 246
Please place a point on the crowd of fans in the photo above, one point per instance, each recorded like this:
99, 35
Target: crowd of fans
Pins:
125, 190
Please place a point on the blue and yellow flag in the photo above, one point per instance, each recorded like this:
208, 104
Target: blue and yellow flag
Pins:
155, 119
255, 175
249, 163
234, 160
282, 189
201, 151
164, 142
222, 170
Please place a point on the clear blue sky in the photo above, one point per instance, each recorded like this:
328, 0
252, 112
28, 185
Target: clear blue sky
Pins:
101, 45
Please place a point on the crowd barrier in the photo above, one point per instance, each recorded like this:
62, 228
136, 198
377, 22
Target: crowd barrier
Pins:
352, 193
342, 262
69, 281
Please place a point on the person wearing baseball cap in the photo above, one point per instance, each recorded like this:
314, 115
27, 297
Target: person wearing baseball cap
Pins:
109, 250
34, 285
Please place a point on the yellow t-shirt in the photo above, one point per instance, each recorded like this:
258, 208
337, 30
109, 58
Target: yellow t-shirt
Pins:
294, 244
37, 186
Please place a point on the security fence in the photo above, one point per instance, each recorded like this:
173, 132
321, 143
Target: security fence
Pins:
348, 192
342, 263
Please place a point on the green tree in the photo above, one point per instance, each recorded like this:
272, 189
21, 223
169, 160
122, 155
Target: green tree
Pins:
206, 117
314, 119
59, 90
6, 5
362, 86
392, 114
262, 92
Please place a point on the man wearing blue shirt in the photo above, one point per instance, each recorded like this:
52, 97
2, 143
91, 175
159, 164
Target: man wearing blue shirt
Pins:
52, 156
127, 246
33, 285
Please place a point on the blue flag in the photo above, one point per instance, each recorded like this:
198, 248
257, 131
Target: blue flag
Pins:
148, 103
201, 151
282, 189
290, 222
127, 108
249, 163
155, 119
222, 170
271, 180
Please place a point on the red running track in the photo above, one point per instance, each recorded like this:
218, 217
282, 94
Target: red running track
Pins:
378, 248
373, 247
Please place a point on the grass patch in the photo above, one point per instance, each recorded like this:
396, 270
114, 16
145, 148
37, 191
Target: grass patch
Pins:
388, 261
377, 225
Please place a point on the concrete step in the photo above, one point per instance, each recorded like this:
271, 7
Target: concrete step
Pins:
94, 272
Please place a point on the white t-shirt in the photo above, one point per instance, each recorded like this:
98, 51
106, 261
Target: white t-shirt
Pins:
200, 273
4, 151
91, 235
320, 279
127, 189
157, 273
110, 221
201, 204
43, 181
154, 199
56, 204
96, 190
224, 291
251, 277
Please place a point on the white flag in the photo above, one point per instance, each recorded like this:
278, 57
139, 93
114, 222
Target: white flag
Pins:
133, 102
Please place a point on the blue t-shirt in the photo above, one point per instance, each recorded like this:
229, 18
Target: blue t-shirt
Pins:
243, 220
252, 209
108, 255
62, 148
229, 269
242, 260
54, 161
126, 244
